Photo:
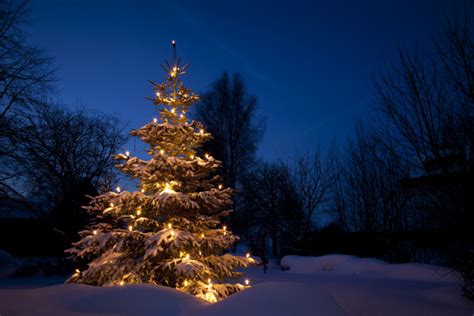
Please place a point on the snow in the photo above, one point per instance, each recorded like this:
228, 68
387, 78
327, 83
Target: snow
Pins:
344, 264
78, 299
327, 285
276, 298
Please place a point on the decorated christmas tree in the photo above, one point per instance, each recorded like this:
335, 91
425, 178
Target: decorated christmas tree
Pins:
168, 232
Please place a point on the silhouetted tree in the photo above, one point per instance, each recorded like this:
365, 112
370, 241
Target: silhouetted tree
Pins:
64, 155
312, 180
26, 75
373, 198
337, 193
275, 211
427, 113
413, 169
229, 112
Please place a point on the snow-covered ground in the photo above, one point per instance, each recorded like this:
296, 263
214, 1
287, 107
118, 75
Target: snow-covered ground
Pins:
327, 285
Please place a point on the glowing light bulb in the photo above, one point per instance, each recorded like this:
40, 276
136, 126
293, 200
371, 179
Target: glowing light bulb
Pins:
181, 115
210, 297
247, 255
94, 232
162, 152
192, 156
158, 94
122, 283
173, 42
200, 252
186, 283
155, 120
175, 69
118, 189
207, 156
169, 226
224, 227
202, 235
201, 131
127, 153
247, 281
168, 188
173, 110
220, 186
130, 227
143, 190
77, 271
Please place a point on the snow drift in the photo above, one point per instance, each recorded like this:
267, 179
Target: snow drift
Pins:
77, 299
323, 286
345, 264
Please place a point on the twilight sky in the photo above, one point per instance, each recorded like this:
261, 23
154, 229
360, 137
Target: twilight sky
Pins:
310, 63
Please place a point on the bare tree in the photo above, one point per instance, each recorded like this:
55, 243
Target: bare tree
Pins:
369, 186
272, 202
428, 114
337, 193
361, 185
417, 107
65, 154
455, 52
229, 112
26, 75
312, 183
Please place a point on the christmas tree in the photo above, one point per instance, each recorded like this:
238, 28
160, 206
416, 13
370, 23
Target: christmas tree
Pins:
168, 232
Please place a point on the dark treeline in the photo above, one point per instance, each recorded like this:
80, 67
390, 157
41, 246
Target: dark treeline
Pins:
402, 187
51, 155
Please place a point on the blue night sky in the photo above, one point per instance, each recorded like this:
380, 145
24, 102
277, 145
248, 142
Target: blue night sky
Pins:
310, 63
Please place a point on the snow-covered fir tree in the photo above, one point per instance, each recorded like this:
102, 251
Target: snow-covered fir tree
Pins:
169, 231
